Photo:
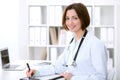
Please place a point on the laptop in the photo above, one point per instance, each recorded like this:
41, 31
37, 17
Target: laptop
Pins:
5, 61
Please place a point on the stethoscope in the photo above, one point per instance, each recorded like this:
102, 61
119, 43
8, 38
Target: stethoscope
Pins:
75, 57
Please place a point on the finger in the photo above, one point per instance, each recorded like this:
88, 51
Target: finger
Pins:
28, 73
62, 74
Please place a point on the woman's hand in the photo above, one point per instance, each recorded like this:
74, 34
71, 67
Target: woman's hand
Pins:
30, 73
66, 75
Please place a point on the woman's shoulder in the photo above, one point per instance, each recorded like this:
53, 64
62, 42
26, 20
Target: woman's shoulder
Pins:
93, 39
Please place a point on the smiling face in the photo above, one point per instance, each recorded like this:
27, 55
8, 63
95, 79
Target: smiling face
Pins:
75, 16
72, 21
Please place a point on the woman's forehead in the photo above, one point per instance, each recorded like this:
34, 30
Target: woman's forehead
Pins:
71, 12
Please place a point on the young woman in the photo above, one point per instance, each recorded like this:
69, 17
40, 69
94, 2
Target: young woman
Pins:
85, 58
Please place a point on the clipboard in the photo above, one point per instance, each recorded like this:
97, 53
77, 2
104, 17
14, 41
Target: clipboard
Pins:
51, 77
26, 78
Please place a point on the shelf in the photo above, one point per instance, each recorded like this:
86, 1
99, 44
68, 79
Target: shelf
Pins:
37, 36
104, 15
37, 15
45, 28
38, 53
55, 15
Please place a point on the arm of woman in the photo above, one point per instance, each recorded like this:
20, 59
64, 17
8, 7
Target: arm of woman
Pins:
52, 69
99, 61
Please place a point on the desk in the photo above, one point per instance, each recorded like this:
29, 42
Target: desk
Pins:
16, 75
11, 75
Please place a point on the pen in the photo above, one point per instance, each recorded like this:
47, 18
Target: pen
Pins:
28, 66
28, 69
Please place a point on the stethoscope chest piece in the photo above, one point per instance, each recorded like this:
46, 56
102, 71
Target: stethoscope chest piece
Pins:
74, 64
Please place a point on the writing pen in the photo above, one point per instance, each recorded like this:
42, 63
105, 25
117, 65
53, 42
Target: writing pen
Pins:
28, 66
28, 69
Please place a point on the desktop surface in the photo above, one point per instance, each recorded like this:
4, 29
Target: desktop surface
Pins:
17, 75
11, 75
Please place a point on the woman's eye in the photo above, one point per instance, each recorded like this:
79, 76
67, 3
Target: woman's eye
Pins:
67, 18
75, 18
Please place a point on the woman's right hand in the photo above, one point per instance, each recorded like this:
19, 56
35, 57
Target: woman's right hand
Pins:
30, 73
66, 75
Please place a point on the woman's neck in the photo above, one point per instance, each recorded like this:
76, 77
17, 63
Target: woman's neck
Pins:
79, 34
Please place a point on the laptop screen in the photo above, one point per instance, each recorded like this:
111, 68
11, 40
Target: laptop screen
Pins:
4, 57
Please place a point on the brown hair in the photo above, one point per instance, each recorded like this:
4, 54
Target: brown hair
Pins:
82, 13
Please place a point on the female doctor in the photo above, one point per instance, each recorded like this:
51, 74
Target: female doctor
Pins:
85, 58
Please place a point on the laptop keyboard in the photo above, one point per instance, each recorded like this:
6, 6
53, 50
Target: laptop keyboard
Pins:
11, 66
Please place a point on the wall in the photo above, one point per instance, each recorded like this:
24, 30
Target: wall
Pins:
9, 10
23, 30
117, 55
13, 28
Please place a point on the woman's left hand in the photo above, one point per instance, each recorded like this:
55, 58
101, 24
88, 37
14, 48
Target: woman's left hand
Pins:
66, 75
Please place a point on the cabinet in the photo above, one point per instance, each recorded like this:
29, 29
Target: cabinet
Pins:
47, 39
104, 26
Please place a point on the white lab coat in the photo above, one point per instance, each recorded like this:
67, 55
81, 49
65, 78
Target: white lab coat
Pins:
91, 60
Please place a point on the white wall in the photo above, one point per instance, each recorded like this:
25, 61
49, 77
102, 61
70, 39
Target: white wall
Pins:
9, 23
13, 28
117, 55
23, 29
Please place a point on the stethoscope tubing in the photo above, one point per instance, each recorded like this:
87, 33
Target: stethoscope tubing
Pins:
76, 54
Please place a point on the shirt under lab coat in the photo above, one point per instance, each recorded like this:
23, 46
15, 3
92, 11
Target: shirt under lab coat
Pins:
91, 61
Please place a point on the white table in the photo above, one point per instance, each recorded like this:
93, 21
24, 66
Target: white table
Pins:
11, 75
16, 75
